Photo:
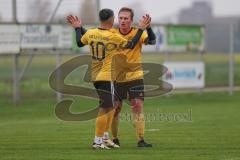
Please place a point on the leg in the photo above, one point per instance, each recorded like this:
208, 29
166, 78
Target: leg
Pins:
100, 125
136, 93
116, 119
120, 95
138, 117
106, 139
110, 114
106, 111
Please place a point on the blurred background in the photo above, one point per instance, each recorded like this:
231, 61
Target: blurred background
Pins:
197, 40
216, 15
24, 72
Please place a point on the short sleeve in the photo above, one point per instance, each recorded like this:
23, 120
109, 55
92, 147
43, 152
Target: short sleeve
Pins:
84, 38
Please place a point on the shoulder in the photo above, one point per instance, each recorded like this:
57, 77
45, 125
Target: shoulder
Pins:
134, 29
114, 30
91, 30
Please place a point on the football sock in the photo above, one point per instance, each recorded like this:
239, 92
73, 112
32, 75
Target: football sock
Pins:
101, 122
138, 117
98, 140
110, 116
106, 135
139, 124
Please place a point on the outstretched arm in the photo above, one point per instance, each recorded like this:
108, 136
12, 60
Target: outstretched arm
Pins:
144, 23
76, 23
151, 40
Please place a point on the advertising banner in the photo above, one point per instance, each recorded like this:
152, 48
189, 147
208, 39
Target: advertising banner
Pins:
185, 74
45, 36
9, 39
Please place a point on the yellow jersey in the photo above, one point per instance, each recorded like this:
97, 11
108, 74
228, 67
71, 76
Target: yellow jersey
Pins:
129, 66
103, 44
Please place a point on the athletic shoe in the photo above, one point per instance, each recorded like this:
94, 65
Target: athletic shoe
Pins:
99, 146
142, 143
116, 141
110, 144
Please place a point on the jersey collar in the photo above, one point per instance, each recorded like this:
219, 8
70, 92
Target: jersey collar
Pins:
126, 33
102, 28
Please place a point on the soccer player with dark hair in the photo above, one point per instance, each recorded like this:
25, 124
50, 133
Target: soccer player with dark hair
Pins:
98, 40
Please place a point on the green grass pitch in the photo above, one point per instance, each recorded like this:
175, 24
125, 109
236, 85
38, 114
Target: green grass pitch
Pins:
31, 131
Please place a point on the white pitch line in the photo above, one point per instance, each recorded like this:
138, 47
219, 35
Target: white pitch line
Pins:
152, 130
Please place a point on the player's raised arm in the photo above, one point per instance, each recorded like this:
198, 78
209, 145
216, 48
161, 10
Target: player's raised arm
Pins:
151, 40
76, 23
144, 23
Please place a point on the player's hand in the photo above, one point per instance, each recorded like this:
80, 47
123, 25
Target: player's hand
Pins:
147, 16
145, 22
74, 21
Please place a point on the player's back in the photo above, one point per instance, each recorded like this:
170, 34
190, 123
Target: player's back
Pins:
103, 44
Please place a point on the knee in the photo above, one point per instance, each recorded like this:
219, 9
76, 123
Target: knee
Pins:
136, 105
118, 107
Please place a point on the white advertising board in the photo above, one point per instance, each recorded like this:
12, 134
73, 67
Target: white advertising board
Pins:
185, 74
45, 37
9, 39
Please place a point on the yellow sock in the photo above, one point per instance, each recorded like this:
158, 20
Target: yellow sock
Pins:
110, 116
101, 122
139, 124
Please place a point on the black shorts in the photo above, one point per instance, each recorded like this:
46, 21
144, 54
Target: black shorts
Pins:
130, 90
105, 90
